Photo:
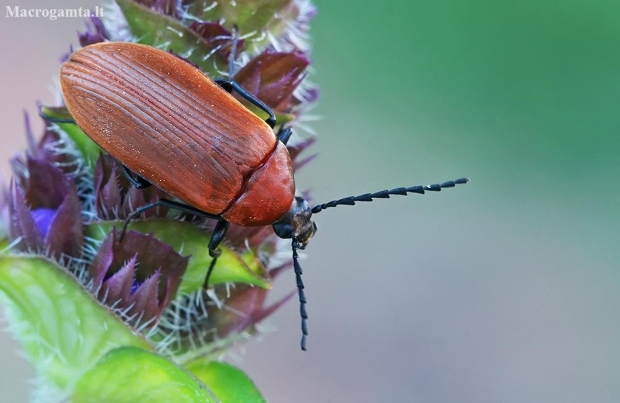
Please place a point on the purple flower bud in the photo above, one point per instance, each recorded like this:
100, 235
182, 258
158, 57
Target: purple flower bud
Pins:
44, 207
273, 76
139, 275
43, 218
116, 198
95, 32
217, 36
167, 7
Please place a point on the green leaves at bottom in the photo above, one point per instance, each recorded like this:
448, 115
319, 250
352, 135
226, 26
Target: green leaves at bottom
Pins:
229, 383
63, 329
130, 374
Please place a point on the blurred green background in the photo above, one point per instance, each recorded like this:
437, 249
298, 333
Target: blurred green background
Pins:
504, 290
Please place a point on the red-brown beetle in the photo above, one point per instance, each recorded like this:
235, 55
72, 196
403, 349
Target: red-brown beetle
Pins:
174, 127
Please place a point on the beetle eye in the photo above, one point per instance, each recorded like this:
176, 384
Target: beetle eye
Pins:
283, 229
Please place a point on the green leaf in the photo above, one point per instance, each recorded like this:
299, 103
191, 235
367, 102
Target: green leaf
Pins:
63, 328
166, 33
248, 15
130, 374
61, 116
55, 114
187, 239
88, 148
229, 383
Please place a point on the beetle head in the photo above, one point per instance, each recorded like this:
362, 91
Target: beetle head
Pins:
296, 223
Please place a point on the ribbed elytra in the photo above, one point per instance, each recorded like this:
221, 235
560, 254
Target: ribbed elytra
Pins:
171, 126
176, 128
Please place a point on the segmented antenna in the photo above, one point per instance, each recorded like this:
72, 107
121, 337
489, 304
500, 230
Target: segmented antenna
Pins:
385, 194
302, 295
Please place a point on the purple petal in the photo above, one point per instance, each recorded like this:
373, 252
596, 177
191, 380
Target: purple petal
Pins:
311, 95
278, 93
298, 164
95, 32
155, 277
155, 255
117, 288
217, 36
47, 184
103, 261
116, 198
43, 218
244, 310
258, 316
22, 224
66, 232
280, 73
145, 299
107, 191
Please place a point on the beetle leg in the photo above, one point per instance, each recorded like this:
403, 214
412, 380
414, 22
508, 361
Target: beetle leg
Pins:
165, 203
186, 208
285, 134
230, 85
216, 238
225, 84
138, 182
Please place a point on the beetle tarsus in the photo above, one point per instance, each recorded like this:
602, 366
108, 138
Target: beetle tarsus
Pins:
136, 213
205, 285
214, 251
285, 134
138, 182
225, 84
186, 208
218, 236
164, 203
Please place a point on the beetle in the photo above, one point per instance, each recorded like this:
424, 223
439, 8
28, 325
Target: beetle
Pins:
171, 126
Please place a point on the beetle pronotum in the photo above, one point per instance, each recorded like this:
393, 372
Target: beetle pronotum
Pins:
174, 127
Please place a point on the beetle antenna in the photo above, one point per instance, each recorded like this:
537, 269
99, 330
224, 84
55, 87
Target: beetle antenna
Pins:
302, 295
385, 194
